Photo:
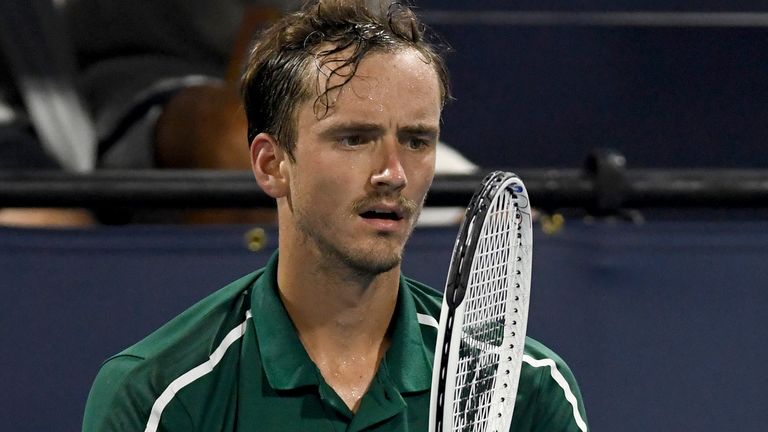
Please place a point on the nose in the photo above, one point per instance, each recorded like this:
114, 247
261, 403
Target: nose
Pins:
389, 176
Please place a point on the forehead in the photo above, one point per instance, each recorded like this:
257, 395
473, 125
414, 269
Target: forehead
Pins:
401, 80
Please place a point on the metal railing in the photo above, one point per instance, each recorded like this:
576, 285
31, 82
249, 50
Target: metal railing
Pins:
597, 188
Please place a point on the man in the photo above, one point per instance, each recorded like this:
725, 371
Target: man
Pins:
344, 107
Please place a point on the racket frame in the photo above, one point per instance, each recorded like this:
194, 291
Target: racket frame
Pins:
452, 312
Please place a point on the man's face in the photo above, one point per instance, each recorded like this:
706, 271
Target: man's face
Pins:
362, 169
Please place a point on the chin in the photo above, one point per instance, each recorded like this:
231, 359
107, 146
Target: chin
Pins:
373, 264
374, 260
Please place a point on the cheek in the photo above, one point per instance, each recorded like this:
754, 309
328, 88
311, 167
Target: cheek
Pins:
326, 187
422, 170
343, 173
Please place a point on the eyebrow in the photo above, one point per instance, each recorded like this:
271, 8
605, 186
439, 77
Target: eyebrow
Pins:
420, 129
374, 128
352, 127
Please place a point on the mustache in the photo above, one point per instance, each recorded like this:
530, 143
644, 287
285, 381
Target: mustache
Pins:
407, 206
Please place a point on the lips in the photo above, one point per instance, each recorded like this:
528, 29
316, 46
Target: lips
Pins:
385, 213
384, 217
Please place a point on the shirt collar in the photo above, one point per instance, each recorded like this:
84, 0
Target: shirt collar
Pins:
283, 357
408, 361
287, 364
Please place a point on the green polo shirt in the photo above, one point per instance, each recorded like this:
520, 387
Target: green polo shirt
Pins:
234, 362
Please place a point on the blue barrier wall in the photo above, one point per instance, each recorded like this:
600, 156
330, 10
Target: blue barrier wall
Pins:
664, 324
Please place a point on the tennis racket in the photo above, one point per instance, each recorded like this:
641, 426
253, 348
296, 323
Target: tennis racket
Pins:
481, 337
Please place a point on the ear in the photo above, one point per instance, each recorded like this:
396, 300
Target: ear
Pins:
267, 160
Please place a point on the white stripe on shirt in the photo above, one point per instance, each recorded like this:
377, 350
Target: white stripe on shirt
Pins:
560, 380
194, 374
427, 320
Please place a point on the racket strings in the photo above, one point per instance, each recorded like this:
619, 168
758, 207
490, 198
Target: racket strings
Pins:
485, 319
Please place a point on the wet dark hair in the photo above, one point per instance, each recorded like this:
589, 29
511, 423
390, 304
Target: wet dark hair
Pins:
278, 76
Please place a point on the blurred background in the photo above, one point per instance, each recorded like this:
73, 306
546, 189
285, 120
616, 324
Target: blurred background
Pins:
666, 83
638, 126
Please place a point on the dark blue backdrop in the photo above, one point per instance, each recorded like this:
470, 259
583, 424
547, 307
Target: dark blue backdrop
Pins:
545, 95
664, 323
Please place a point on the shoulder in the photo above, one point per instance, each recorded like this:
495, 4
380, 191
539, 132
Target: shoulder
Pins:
131, 382
549, 369
537, 352
114, 403
198, 326
549, 392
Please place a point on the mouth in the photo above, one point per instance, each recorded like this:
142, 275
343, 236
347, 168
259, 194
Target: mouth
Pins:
374, 214
386, 214
383, 217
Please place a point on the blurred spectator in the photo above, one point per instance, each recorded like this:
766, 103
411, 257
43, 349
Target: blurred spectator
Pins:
154, 75
161, 79
20, 149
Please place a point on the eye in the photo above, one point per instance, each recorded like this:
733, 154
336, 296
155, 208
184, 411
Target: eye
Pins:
351, 140
417, 143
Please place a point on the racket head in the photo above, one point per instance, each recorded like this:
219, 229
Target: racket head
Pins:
483, 321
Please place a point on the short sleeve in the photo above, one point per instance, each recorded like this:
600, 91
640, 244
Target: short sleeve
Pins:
121, 400
559, 405
548, 396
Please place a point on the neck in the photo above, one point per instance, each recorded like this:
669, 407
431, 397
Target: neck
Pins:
342, 317
335, 306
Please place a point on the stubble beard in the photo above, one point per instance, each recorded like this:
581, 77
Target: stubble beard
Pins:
362, 260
